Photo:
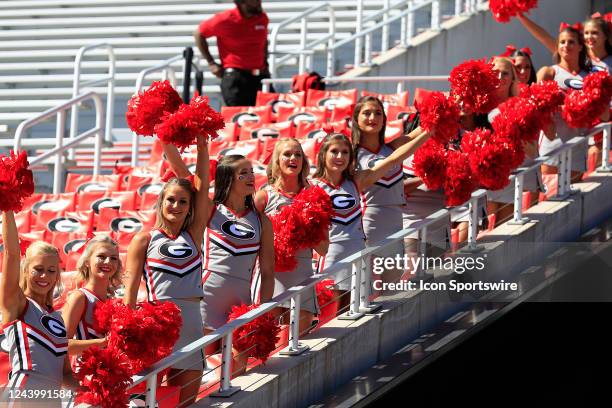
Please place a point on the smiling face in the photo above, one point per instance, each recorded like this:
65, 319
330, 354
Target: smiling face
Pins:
594, 38
244, 178
42, 272
104, 261
568, 45
522, 65
290, 159
337, 157
370, 119
504, 70
176, 204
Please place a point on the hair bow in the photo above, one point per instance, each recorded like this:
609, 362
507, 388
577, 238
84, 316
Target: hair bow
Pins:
511, 49
596, 15
577, 26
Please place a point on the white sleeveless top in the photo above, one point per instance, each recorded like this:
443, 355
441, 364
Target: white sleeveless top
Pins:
389, 189
85, 329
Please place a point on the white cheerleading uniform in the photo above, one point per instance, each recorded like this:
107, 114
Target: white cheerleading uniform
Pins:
566, 81
85, 328
173, 271
275, 200
603, 65
37, 349
346, 234
384, 200
231, 247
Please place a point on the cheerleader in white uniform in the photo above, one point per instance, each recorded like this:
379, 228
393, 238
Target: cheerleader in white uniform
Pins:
168, 259
236, 236
35, 334
336, 175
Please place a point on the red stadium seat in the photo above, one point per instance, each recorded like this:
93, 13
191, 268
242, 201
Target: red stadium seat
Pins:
157, 152
22, 219
275, 100
86, 199
52, 202
243, 114
141, 183
329, 99
390, 99
148, 200
342, 112
86, 182
305, 114
311, 148
306, 130
229, 132
395, 112
251, 149
266, 131
394, 129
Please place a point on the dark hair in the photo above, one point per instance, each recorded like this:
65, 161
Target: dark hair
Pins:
583, 59
224, 179
532, 73
356, 132
604, 27
328, 141
185, 185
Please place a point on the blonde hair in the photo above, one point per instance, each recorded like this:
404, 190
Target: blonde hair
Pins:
185, 185
273, 169
514, 86
35, 249
83, 268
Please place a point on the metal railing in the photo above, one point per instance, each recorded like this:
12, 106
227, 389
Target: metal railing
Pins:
360, 264
400, 79
60, 144
305, 53
77, 88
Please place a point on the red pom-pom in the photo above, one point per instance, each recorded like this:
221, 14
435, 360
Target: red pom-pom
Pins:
179, 128
324, 290
503, 10
429, 164
474, 82
583, 108
208, 120
16, 181
548, 98
104, 376
519, 119
459, 182
439, 114
300, 225
257, 338
490, 157
146, 109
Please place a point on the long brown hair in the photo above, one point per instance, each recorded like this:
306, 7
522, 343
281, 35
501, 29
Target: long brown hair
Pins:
327, 142
273, 169
583, 58
185, 185
603, 26
224, 179
356, 132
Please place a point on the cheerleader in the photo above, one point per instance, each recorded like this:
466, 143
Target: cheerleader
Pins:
169, 259
523, 65
336, 175
236, 236
287, 176
35, 333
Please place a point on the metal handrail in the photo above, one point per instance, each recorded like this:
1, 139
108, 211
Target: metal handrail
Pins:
60, 146
303, 58
77, 86
168, 73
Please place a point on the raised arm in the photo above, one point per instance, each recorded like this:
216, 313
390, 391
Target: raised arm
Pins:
539, 33
203, 204
365, 178
175, 161
136, 256
12, 299
266, 259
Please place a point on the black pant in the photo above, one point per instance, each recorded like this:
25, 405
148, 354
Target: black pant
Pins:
239, 87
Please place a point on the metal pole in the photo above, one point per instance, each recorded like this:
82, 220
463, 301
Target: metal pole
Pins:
188, 59
458, 7
605, 155
353, 312
303, 35
358, 28
562, 174
364, 291
435, 15
568, 172
74, 110
225, 386
98, 140
473, 226
384, 46
410, 27
295, 348
59, 157
422, 249
110, 94
518, 218
368, 50
150, 401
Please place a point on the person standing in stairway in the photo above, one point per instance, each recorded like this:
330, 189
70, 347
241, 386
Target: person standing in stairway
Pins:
242, 42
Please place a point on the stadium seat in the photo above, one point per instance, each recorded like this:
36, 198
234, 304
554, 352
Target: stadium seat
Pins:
400, 99
394, 129
251, 149
86, 182
342, 112
330, 99
266, 130
304, 114
274, 100
307, 130
395, 112
241, 114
